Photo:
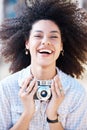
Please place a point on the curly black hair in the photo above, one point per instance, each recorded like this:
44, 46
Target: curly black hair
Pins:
72, 22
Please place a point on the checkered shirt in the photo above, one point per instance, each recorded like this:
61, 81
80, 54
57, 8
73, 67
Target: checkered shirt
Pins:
72, 111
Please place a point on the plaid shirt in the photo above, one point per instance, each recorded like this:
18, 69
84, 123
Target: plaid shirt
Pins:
72, 111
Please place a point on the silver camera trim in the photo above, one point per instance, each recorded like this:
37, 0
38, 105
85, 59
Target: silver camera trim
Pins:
44, 82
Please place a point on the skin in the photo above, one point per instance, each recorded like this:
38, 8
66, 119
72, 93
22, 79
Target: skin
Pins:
45, 35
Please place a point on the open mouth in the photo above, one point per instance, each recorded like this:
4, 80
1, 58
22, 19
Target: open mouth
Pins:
45, 51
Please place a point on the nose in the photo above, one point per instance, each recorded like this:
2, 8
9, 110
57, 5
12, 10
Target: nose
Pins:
45, 41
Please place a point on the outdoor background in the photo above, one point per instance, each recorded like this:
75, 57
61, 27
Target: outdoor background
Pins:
7, 10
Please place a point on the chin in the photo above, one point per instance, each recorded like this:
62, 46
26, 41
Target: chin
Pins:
44, 64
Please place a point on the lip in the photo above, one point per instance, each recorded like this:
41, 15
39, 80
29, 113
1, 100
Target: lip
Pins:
45, 51
44, 48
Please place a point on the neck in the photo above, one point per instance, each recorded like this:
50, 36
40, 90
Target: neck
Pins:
43, 73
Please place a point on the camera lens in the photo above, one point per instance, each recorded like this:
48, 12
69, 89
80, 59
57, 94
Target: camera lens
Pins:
44, 93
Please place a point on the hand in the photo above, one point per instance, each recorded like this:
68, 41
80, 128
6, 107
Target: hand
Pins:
26, 94
56, 100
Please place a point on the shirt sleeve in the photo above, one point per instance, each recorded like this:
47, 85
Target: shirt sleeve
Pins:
73, 110
5, 114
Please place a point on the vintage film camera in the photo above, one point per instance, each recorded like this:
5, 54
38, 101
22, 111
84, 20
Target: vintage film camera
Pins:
43, 92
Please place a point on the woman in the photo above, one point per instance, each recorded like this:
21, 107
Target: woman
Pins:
42, 93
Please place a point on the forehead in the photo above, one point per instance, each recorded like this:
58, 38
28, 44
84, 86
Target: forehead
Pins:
45, 25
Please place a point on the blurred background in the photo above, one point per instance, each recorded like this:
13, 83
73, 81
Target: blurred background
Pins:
8, 10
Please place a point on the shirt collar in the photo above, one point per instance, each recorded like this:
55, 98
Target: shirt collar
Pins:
63, 77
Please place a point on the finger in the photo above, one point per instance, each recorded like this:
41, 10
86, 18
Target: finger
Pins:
57, 87
31, 86
53, 89
34, 89
26, 83
60, 88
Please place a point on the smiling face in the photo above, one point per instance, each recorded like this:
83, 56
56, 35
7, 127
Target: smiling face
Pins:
44, 43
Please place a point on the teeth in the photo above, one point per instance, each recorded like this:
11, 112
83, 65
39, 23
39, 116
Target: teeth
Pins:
45, 50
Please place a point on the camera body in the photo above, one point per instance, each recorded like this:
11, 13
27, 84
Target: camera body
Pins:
43, 92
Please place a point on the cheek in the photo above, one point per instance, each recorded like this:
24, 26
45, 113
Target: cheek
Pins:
58, 50
58, 47
30, 45
32, 48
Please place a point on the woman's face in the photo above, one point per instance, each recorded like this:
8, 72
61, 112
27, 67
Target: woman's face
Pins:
44, 43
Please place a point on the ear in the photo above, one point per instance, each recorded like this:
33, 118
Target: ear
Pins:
27, 45
61, 48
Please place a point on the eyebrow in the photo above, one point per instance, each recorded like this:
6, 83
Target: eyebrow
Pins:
54, 31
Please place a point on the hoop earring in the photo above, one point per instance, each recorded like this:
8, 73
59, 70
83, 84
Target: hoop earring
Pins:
62, 52
26, 51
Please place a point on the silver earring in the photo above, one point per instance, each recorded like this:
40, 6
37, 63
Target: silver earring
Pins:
26, 51
62, 52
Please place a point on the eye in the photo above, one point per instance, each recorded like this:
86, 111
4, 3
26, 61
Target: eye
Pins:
54, 37
38, 36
